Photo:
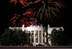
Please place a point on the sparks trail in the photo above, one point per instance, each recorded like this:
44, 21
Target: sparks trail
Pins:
40, 10
22, 18
27, 21
23, 2
46, 9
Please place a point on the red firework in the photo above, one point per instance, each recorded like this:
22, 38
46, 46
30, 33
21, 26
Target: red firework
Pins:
27, 18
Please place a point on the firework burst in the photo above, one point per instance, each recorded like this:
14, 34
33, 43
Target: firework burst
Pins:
37, 10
